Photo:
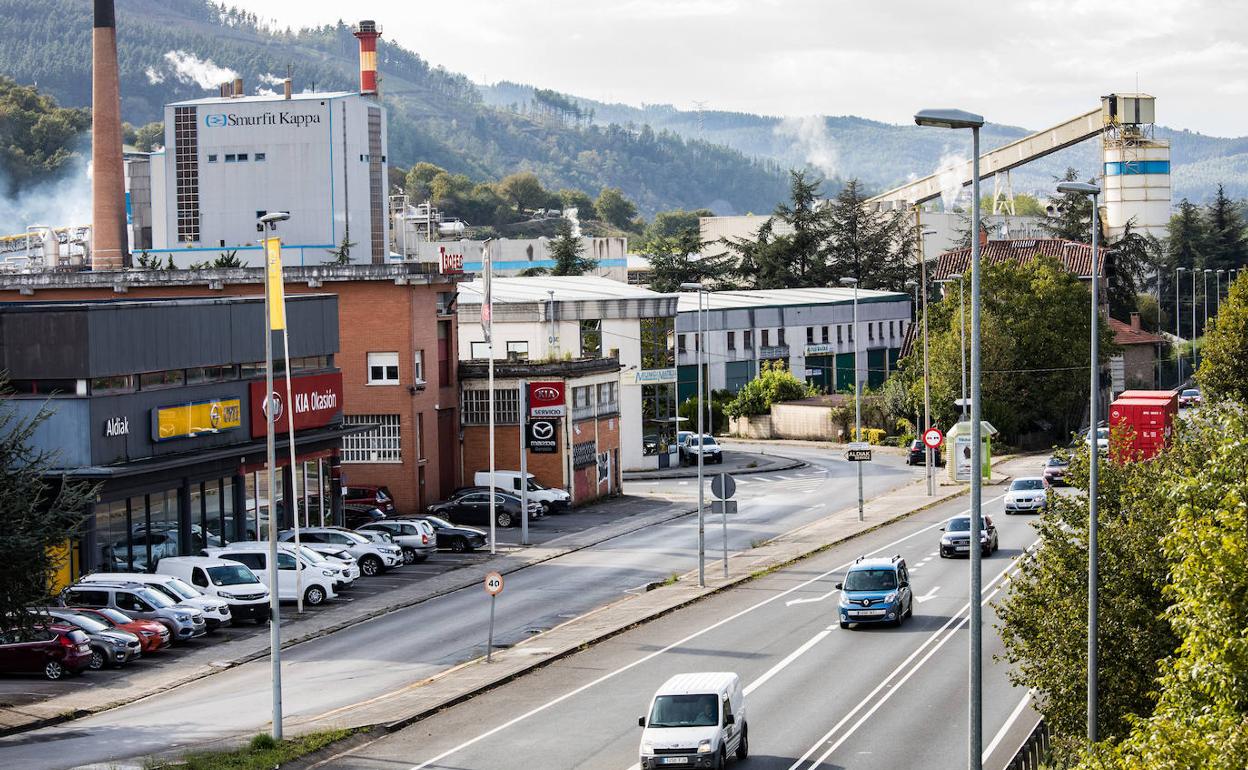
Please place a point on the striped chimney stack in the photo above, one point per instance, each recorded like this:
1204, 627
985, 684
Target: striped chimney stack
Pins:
367, 33
108, 185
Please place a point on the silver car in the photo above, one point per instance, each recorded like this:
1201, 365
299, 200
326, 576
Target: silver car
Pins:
415, 537
1029, 494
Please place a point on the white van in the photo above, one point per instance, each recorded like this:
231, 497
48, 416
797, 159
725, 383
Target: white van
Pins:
695, 720
552, 500
228, 581
216, 612
318, 582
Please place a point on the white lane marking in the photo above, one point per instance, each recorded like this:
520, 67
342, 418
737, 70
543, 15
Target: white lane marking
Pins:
884, 682
828, 595
1009, 722
792, 656
629, 666
933, 553
929, 595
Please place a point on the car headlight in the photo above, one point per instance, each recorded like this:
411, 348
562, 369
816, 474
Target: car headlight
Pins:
704, 747
946, 540
844, 600
890, 597
647, 748
182, 616
327, 573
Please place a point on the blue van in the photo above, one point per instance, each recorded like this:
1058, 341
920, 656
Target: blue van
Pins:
876, 591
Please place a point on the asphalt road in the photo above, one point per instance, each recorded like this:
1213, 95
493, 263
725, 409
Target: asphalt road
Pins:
392, 651
818, 696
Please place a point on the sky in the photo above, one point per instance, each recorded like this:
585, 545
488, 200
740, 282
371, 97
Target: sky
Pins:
1030, 63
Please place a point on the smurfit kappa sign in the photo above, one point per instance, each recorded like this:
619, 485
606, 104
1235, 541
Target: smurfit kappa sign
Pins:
271, 118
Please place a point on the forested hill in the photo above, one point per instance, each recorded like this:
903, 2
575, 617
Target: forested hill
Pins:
179, 49
883, 155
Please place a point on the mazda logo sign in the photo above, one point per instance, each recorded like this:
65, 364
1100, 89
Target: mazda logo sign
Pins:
546, 394
543, 430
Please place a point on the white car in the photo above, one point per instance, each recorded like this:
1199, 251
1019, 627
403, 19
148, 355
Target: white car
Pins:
373, 558
317, 580
1027, 494
216, 611
695, 720
414, 536
1102, 440
333, 558
228, 581
706, 446
552, 500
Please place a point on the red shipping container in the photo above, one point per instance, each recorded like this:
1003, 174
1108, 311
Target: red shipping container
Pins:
1146, 417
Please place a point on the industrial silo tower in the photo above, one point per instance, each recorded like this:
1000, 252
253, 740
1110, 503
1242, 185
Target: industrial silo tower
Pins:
1136, 167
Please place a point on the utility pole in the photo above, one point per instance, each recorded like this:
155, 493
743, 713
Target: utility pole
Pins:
857, 390
487, 328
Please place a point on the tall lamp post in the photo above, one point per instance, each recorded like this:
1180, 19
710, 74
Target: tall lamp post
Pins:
1205, 291
1194, 357
929, 456
912, 287
962, 345
1084, 188
1217, 291
959, 119
857, 388
701, 348
1178, 328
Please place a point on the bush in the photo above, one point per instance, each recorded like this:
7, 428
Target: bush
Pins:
773, 384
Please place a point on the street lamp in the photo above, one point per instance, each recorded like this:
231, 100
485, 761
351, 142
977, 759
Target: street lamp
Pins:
1205, 290
857, 387
1084, 188
700, 341
1194, 356
959, 119
1217, 291
929, 454
961, 345
1178, 329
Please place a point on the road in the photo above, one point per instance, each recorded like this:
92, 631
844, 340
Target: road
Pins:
818, 696
387, 653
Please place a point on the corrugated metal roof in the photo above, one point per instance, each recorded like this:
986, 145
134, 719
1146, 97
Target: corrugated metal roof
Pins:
735, 300
710, 681
567, 289
257, 98
1075, 257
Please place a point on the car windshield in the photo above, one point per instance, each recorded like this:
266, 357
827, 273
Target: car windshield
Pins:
1025, 484
165, 590
871, 580
685, 711
87, 623
234, 575
439, 522
116, 616
182, 589
311, 554
704, 441
1057, 462
534, 486
155, 598
1191, 392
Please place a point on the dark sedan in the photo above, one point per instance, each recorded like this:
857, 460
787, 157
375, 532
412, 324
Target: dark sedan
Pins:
536, 511
474, 508
1055, 471
917, 455
452, 537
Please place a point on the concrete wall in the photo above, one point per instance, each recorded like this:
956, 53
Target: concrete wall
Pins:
758, 426
800, 421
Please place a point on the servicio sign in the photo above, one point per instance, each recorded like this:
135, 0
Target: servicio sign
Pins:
547, 399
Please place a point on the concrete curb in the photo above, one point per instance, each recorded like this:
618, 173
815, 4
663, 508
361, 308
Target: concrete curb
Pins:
692, 472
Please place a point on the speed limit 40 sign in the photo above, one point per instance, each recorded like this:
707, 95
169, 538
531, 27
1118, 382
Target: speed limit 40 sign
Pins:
493, 584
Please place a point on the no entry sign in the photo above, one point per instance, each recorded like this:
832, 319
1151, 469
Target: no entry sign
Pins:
933, 438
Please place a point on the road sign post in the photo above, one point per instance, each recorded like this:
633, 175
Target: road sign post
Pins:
493, 587
524, 464
858, 452
724, 486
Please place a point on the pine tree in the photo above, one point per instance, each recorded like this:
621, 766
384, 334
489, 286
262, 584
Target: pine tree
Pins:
342, 254
674, 260
1128, 262
566, 249
876, 247
1186, 237
786, 260
1225, 246
1072, 217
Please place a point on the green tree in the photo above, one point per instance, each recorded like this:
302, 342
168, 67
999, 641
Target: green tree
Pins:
1186, 236
1223, 374
40, 511
523, 190
1072, 219
575, 199
38, 139
1225, 246
419, 181
614, 209
675, 259
876, 247
774, 384
228, 259
342, 254
1129, 260
150, 137
567, 251
671, 223
793, 258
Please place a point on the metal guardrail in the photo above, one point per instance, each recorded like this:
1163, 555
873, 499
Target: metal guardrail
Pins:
1034, 749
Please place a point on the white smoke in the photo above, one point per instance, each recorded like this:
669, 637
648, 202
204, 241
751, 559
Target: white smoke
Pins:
811, 135
189, 68
271, 79
262, 91
154, 75
950, 171
63, 203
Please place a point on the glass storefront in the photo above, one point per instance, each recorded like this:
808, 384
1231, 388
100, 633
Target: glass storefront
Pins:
658, 400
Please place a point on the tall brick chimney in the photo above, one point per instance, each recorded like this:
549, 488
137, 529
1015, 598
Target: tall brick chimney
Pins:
367, 33
108, 185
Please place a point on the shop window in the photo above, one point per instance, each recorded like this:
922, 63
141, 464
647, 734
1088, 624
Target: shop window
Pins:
251, 370
658, 338
44, 387
122, 383
169, 378
379, 445
383, 368
201, 374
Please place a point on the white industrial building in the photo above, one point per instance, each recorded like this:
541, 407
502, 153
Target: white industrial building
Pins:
230, 159
550, 318
810, 330
512, 256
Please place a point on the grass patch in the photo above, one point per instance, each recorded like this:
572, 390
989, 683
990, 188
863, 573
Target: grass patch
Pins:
672, 579
262, 753
756, 542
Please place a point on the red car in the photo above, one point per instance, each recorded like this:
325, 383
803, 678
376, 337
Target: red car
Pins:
374, 497
152, 635
54, 650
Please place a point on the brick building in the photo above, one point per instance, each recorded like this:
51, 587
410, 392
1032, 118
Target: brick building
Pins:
1136, 367
397, 356
586, 460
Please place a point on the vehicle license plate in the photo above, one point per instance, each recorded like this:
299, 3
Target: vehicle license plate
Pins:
962, 548
868, 613
675, 760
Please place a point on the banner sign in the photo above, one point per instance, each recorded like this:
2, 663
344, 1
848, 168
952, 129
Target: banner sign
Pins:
548, 399
651, 377
819, 349
450, 264
317, 397
190, 420
542, 436
276, 289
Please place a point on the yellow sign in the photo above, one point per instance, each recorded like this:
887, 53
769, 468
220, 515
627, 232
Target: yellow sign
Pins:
276, 290
189, 420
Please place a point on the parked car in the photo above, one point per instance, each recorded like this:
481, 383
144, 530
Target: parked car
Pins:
226, 581
372, 496
336, 560
159, 542
957, 537
918, 455
1027, 494
1190, 397
54, 650
355, 515
704, 445
876, 591
110, 647
138, 601
536, 509
373, 558
1102, 439
415, 537
453, 537
552, 500
216, 612
317, 580
474, 508
1055, 470
152, 635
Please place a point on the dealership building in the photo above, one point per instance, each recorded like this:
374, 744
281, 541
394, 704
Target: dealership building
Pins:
159, 403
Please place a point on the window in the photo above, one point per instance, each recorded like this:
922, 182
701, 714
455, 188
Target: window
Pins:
47, 387
122, 383
480, 351
732, 340
383, 368
747, 339
242, 157
680, 343
476, 406
379, 445
444, 354
169, 378
418, 366
259, 157
657, 338
230, 157
870, 332
201, 374
252, 561
518, 351
765, 338
839, 328
851, 333
780, 337
591, 338
253, 369
879, 330
582, 402
810, 335
212, 157
825, 335
286, 561
310, 363
608, 398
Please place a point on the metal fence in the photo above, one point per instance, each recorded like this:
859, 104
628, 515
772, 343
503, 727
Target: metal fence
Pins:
1033, 751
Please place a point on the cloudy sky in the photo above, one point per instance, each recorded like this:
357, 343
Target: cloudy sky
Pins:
1023, 62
